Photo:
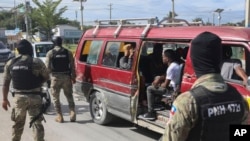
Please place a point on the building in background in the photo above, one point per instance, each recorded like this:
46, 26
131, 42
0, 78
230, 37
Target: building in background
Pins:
70, 34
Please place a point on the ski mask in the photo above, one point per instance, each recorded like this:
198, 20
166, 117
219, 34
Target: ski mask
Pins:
206, 53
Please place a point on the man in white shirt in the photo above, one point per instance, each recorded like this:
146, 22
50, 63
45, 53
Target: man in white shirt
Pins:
232, 68
162, 83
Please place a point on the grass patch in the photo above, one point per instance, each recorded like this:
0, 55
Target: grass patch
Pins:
71, 47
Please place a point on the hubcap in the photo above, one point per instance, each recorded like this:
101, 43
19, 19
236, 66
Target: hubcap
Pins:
97, 108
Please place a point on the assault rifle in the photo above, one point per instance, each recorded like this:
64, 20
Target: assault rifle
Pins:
46, 101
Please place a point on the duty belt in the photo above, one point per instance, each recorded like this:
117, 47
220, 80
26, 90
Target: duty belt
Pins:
26, 93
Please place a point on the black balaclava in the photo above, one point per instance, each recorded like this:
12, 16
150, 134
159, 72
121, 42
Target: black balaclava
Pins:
24, 47
206, 53
57, 41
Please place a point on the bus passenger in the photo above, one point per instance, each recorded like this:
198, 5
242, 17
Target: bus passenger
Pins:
127, 60
162, 83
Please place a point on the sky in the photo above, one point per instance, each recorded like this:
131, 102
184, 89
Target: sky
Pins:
234, 10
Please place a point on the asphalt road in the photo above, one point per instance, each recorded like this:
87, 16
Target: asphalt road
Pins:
82, 130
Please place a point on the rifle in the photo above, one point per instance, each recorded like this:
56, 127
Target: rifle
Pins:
46, 101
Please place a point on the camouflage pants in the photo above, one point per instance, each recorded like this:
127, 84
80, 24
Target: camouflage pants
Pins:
58, 83
22, 105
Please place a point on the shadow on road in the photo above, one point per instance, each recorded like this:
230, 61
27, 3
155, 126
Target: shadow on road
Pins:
121, 123
147, 133
80, 109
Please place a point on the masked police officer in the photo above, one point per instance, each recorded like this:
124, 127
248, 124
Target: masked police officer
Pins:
60, 63
27, 75
206, 111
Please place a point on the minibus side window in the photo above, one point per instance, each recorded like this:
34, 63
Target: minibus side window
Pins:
114, 51
91, 51
238, 53
233, 58
111, 54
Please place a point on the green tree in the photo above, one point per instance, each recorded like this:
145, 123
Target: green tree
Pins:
197, 20
69, 22
9, 18
46, 15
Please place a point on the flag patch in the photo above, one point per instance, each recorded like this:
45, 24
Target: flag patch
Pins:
173, 110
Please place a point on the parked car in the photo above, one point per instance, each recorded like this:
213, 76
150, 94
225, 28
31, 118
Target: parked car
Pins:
112, 91
40, 49
5, 55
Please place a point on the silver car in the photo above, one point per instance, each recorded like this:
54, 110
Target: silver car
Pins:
5, 55
41, 48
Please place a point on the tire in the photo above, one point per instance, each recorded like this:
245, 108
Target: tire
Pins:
98, 109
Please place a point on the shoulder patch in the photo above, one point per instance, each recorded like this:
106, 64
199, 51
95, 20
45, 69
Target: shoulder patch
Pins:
173, 110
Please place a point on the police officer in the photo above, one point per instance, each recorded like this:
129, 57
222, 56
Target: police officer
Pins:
60, 63
206, 111
27, 75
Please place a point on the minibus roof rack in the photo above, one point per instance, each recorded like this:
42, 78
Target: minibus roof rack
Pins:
141, 22
119, 23
178, 22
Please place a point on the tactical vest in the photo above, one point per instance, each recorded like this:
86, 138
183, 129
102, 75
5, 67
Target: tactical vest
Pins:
60, 61
216, 112
22, 75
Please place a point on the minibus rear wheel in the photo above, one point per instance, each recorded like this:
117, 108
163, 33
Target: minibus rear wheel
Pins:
98, 109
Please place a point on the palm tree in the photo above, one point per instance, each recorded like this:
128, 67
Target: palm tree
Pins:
46, 16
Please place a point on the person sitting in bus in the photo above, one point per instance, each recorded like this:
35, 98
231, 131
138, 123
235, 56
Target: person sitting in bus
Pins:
162, 84
156, 66
110, 56
179, 52
126, 61
232, 68
184, 53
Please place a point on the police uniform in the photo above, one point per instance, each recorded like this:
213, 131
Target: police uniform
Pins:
206, 111
61, 78
183, 118
26, 86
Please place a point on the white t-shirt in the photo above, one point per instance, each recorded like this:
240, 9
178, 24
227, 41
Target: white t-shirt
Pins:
173, 74
228, 68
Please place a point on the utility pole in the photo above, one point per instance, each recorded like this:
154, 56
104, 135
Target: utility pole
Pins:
173, 11
247, 16
76, 14
213, 19
26, 19
110, 9
219, 10
15, 14
81, 9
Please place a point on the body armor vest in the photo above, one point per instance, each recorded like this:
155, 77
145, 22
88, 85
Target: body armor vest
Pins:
22, 75
216, 112
60, 61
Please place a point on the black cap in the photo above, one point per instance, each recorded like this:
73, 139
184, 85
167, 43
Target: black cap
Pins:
24, 47
206, 53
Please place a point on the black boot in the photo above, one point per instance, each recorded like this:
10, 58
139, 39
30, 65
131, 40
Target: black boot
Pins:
148, 116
